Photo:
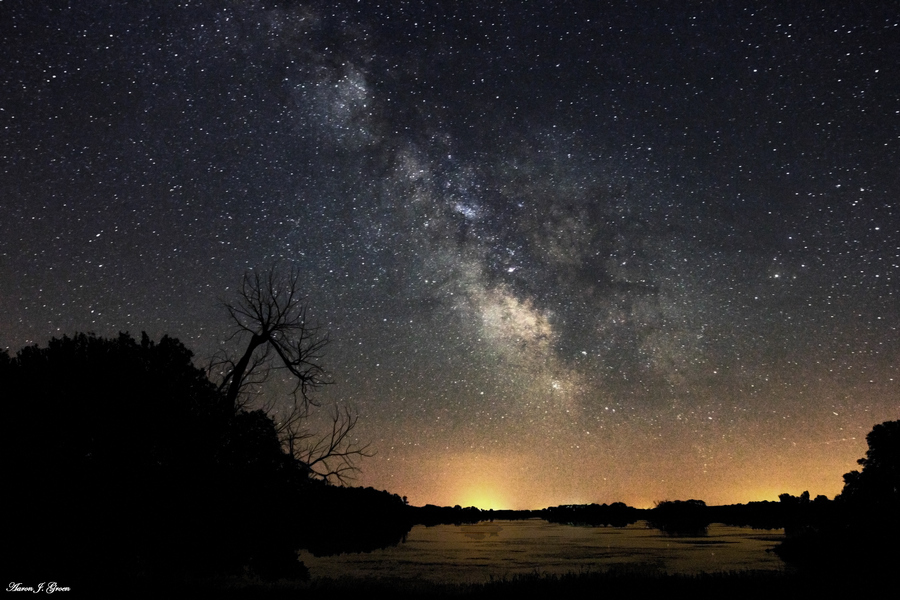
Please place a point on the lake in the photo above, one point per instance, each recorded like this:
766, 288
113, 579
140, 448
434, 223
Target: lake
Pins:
479, 552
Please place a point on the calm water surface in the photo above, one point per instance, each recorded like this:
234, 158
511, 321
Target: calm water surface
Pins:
476, 553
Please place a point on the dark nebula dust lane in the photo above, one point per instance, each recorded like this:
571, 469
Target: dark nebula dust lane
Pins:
565, 252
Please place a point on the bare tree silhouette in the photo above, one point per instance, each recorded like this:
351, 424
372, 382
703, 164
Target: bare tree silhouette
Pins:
271, 324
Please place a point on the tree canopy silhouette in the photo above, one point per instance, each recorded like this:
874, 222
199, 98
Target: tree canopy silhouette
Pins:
878, 484
119, 459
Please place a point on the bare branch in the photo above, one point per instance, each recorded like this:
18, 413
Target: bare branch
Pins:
271, 322
333, 456
271, 311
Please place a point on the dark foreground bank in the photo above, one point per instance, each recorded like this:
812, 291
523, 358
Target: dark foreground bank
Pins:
630, 583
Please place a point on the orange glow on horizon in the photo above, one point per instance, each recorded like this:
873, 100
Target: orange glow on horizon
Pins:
532, 478
483, 498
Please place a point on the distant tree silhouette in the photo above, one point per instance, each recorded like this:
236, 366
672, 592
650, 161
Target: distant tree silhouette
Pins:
271, 326
681, 518
617, 514
794, 501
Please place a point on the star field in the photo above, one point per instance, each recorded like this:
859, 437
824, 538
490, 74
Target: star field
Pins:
565, 252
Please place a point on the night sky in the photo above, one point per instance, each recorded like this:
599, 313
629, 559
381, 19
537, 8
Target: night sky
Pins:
566, 252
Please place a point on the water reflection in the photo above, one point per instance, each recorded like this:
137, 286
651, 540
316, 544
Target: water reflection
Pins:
476, 553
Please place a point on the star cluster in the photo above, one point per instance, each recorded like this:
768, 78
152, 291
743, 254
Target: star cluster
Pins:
565, 252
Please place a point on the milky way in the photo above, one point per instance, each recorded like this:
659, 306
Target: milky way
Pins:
565, 252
